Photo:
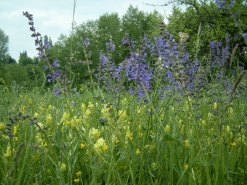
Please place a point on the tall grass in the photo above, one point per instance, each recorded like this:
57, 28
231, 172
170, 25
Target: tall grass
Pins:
177, 140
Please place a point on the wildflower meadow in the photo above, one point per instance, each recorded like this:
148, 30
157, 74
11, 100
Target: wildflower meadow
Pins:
164, 108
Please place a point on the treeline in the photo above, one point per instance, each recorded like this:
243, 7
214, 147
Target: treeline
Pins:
202, 21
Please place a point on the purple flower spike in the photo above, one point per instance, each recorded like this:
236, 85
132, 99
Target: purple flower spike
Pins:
47, 45
55, 63
57, 91
110, 46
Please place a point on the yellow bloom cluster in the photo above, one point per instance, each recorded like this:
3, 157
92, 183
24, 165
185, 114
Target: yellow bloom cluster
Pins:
100, 145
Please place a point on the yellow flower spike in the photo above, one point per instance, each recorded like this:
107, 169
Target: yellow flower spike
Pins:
228, 129
65, 118
172, 108
75, 121
105, 148
186, 166
77, 180
50, 107
115, 140
62, 167
82, 145
186, 143
215, 105
78, 174
100, 145
83, 107
49, 119
36, 114
122, 115
138, 152
87, 113
15, 130
210, 115
129, 135
94, 133
167, 129
242, 131
2, 125
23, 108
90, 105
204, 123
230, 110
9, 152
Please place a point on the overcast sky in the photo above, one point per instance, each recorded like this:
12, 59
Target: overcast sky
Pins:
54, 17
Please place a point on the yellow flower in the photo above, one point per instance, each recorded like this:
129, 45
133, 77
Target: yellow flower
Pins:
115, 140
210, 115
215, 105
78, 174
122, 115
100, 145
23, 108
186, 143
77, 180
87, 113
36, 114
138, 152
15, 130
234, 143
2, 125
167, 129
186, 166
129, 135
49, 119
204, 123
94, 133
65, 118
75, 121
62, 166
9, 152
90, 105
50, 107
230, 110
83, 107
82, 145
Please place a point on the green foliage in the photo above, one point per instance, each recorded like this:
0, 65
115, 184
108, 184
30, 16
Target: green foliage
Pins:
214, 23
15, 73
3, 46
24, 60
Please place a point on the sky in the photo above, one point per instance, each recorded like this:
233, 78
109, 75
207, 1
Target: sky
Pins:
54, 17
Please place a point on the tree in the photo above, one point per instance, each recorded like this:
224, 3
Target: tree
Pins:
24, 59
3, 46
216, 20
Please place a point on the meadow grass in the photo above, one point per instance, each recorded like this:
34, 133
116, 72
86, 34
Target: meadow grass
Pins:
89, 139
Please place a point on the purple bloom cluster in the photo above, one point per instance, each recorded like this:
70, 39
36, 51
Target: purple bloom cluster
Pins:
221, 4
162, 60
219, 53
110, 46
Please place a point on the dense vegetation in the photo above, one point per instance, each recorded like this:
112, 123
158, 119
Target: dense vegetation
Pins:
136, 101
